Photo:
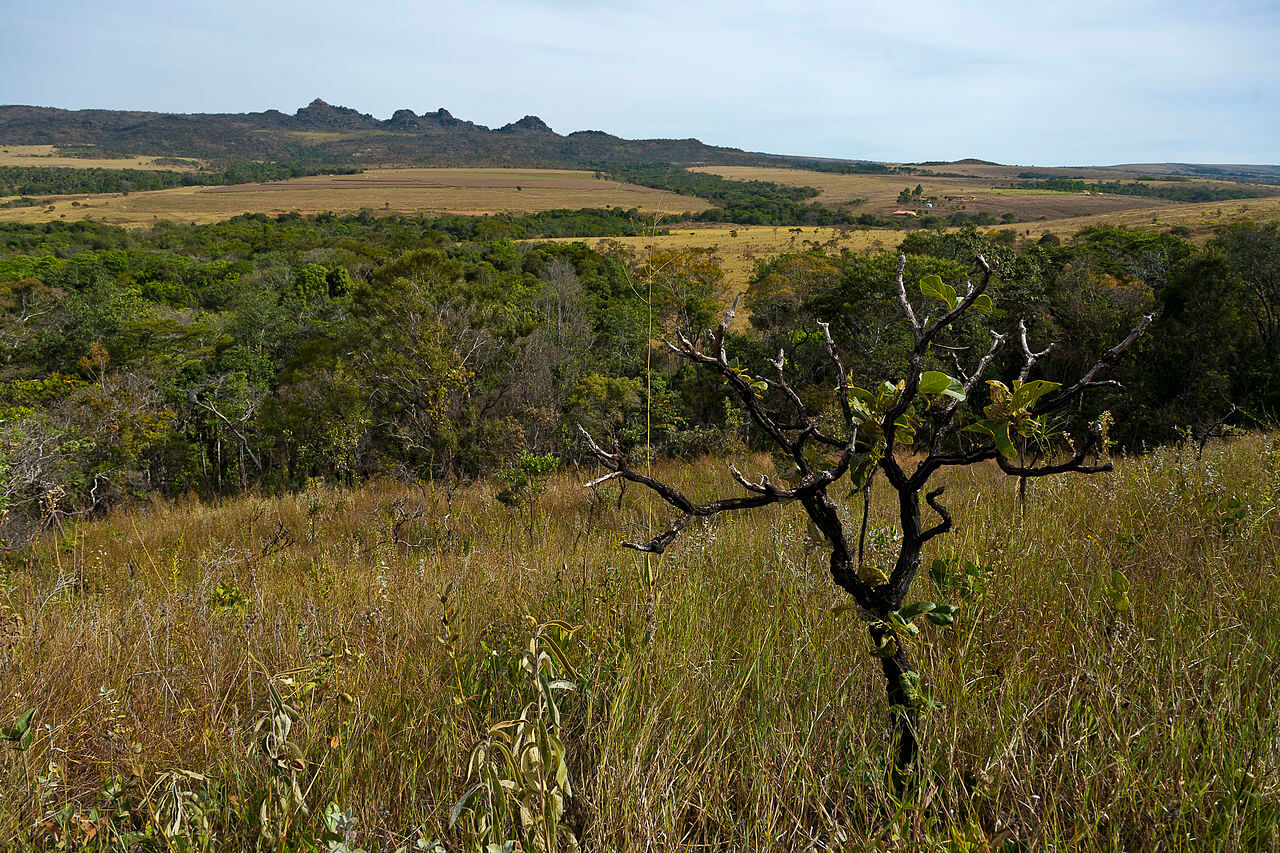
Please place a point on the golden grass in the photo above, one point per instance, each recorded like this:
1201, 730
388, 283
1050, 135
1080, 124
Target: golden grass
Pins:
880, 193
740, 248
393, 191
1200, 216
725, 707
47, 156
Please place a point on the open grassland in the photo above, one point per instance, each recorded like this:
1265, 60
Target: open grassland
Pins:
401, 191
724, 705
879, 193
739, 248
1008, 173
1199, 217
49, 156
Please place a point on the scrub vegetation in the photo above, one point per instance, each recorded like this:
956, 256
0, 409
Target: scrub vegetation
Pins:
297, 553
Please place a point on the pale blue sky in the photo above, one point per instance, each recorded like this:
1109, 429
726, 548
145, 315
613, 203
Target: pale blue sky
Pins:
1084, 82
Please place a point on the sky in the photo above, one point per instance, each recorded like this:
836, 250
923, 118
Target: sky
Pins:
1028, 83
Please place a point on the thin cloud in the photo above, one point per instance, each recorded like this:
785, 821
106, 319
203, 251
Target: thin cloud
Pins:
1087, 82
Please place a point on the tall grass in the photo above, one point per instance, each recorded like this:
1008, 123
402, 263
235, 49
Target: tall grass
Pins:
724, 706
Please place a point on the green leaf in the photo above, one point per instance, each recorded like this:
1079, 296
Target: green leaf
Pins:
984, 303
938, 572
933, 285
888, 648
940, 618
1029, 392
999, 389
861, 394
937, 382
1119, 582
462, 803
934, 382
24, 722
911, 611
1003, 443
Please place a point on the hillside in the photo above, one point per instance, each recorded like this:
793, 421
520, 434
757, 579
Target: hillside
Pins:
321, 131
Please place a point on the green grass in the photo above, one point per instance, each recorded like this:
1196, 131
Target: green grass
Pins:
724, 706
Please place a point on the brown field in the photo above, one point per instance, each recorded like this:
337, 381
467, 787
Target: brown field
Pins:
48, 156
1199, 217
403, 191
880, 192
738, 254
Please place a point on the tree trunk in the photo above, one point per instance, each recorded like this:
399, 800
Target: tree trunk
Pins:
903, 711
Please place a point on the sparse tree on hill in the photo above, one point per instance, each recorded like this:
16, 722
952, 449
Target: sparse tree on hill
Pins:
870, 433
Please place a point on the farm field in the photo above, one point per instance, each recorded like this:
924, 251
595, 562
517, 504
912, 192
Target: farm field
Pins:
723, 704
402, 191
880, 192
47, 156
1196, 216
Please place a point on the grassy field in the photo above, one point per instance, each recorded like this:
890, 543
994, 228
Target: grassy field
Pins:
719, 701
49, 156
1198, 217
880, 193
739, 248
406, 191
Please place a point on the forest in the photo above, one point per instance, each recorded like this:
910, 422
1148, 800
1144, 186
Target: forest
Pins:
297, 555
273, 352
1168, 188
30, 181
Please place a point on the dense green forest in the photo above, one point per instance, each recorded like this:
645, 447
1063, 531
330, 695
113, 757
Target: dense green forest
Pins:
54, 180
266, 352
1177, 192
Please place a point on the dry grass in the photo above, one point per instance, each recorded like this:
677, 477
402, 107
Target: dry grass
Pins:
725, 707
738, 249
880, 193
1200, 217
48, 156
398, 191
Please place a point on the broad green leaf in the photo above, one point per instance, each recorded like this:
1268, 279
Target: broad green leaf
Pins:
949, 296
940, 618
987, 426
861, 394
1003, 443
938, 572
1119, 582
934, 382
984, 303
933, 285
1028, 392
911, 611
24, 722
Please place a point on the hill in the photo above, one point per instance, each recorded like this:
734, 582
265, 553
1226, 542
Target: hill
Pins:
321, 131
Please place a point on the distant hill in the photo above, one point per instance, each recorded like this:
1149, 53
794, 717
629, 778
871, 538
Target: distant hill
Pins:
323, 132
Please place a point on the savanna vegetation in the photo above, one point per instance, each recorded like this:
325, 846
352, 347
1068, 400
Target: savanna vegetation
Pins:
44, 180
1107, 681
1170, 188
289, 563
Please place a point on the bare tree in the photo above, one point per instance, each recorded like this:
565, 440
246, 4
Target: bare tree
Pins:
924, 412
